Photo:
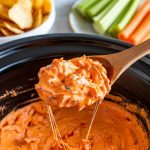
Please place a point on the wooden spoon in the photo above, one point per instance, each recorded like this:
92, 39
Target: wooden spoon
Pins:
117, 63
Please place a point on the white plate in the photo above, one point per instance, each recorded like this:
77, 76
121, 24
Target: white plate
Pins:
78, 24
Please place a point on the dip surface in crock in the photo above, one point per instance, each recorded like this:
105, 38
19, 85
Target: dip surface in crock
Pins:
114, 128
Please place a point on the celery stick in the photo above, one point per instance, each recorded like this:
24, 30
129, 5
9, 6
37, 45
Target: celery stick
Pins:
102, 25
82, 6
104, 11
112, 30
94, 10
124, 18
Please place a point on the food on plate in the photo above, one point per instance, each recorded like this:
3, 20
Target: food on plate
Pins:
99, 6
38, 18
75, 82
115, 127
37, 4
12, 27
141, 31
84, 5
6, 32
19, 16
146, 37
103, 12
124, 18
46, 8
117, 18
3, 12
8, 3
103, 24
135, 22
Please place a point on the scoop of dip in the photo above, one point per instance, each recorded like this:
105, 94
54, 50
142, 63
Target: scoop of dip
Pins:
75, 82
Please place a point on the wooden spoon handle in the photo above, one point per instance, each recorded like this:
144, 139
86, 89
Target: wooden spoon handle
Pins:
125, 59
133, 54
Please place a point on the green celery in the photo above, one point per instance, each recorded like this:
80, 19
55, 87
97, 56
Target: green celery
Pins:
83, 5
104, 11
94, 10
123, 20
102, 25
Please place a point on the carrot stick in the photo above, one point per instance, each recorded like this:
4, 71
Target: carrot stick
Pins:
136, 20
124, 18
146, 37
141, 31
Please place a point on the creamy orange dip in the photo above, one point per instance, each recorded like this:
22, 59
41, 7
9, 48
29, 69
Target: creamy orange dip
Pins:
75, 82
114, 128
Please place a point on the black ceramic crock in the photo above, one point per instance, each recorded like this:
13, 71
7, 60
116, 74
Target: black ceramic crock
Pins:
20, 61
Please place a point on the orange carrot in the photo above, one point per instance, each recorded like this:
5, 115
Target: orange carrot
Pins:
136, 20
141, 31
146, 37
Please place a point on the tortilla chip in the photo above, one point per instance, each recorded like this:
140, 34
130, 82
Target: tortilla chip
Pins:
3, 12
6, 32
1, 34
47, 6
37, 4
1, 24
8, 3
21, 14
45, 18
12, 27
37, 18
